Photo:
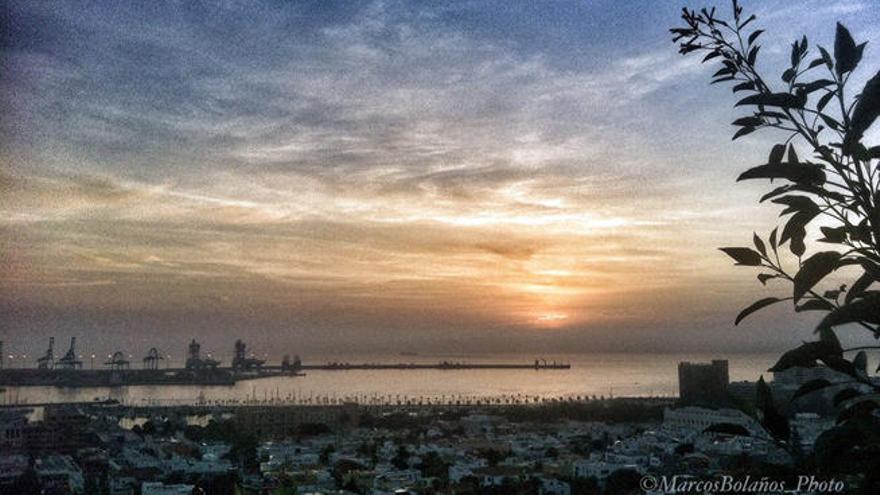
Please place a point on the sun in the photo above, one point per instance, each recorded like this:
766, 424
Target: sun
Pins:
551, 319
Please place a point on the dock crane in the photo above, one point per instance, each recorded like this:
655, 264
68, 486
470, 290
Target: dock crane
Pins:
47, 360
69, 360
151, 362
117, 361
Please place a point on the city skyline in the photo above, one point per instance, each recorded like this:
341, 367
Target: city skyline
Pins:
381, 176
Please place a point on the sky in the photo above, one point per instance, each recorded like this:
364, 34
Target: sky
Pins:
382, 176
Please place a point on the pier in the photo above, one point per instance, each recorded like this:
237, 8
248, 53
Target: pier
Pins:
68, 371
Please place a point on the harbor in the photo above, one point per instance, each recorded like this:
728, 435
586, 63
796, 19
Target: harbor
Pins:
68, 371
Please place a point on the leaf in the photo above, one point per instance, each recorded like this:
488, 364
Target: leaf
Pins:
859, 409
814, 85
831, 122
711, 55
792, 155
797, 173
810, 387
816, 62
743, 256
805, 355
823, 101
754, 35
782, 100
742, 132
815, 305
829, 62
796, 203
775, 423
846, 52
837, 363
834, 235
865, 113
797, 245
827, 335
753, 54
858, 287
845, 395
745, 86
762, 303
764, 277
728, 429
814, 269
759, 244
788, 75
866, 309
776, 192
772, 238
776, 154
748, 121
795, 229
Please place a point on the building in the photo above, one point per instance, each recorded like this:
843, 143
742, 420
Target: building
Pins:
59, 474
703, 384
156, 488
278, 422
696, 419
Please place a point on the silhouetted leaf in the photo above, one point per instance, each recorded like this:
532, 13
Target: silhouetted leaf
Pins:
859, 287
759, 244
838, 363
833, 234
753, 54
810, 387
815, 305
795, 229
743, 256
845, 395
782, 100
823, 101
745, 86
711, 55
772, 238
814, 85
829, 62
814, 269
792, 155
796, 203
806, 354
762, 303
775, 423
831, 122
798, 173
748, 121
776, 192
776, 154
754, 35
866, 309
859, 409
742, 132
846, 52
826, 334
816, 62
866, 111
764, 277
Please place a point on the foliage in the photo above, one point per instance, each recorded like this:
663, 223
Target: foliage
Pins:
826, 179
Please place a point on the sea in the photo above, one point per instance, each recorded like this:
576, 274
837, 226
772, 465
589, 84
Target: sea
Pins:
599, 374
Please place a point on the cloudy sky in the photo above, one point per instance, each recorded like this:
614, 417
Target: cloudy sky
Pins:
381, 175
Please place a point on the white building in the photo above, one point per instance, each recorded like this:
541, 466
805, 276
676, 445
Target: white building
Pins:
696, 419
